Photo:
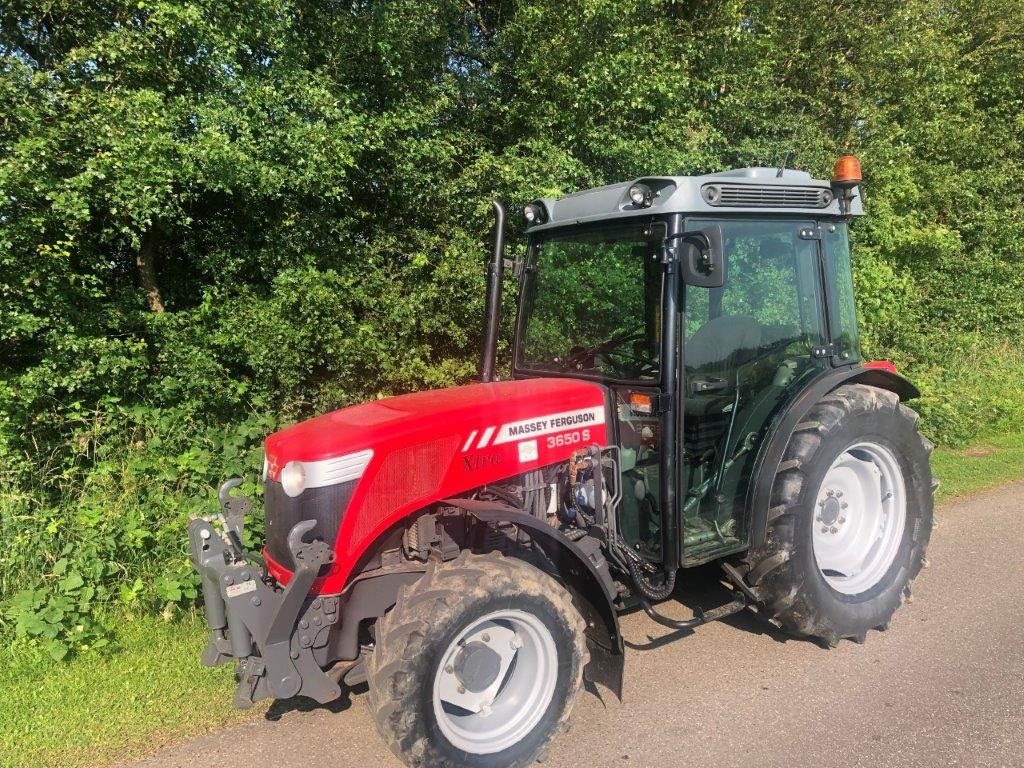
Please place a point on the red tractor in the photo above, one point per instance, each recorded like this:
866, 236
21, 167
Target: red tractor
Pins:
686, 388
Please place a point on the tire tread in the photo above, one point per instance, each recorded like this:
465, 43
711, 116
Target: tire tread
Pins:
785, 598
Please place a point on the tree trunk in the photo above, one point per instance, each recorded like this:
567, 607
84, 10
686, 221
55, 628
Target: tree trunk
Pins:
146, 263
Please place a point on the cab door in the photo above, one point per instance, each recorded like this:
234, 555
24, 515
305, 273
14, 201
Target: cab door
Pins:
749, 346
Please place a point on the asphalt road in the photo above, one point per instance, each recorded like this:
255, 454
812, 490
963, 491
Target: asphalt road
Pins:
943, 687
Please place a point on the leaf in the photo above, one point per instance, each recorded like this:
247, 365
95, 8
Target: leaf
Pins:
72, 582
56, 649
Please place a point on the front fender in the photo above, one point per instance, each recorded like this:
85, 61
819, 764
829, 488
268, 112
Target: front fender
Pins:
585, 573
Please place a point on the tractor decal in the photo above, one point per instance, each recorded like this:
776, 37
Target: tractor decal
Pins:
532, 427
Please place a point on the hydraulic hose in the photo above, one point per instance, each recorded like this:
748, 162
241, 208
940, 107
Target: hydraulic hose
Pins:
647, 589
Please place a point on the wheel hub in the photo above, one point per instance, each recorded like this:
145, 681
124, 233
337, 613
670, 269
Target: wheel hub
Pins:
477, 666
830, 511
495, 681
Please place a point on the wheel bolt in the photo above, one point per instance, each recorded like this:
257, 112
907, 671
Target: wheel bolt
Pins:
833, 529
838, 494
516, 643
842, 520
461, 689
485, 710
449, 669
821, 503
485, 637
831, 492
843, 505
818, 518
824, 529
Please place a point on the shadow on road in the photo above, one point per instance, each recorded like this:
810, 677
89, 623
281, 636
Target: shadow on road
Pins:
702, 587
303, 704
697, 587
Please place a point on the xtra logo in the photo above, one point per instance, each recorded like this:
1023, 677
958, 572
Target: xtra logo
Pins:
475, 461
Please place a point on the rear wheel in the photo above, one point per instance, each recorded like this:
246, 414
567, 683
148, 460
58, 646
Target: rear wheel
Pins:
477, 665
851, 517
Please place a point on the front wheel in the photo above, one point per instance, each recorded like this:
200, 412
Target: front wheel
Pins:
477, 665
850, 519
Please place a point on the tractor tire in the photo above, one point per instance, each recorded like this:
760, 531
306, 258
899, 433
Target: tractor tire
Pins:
477, 666
850, 519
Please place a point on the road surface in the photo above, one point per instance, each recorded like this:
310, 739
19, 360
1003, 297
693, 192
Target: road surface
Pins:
943, 687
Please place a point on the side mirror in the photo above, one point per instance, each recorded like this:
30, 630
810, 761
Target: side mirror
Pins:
702, 257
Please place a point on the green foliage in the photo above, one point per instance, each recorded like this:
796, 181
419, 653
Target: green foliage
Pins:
219, 217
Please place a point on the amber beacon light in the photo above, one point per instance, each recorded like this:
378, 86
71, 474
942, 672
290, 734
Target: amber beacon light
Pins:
846, 172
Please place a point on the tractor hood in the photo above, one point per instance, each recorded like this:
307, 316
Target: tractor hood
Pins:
400, 454
491, 411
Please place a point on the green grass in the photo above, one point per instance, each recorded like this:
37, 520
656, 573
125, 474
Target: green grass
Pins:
985, 464
93, 711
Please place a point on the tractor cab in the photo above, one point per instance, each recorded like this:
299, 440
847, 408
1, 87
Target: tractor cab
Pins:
704, 305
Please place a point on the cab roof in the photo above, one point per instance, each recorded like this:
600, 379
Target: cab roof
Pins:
739, 191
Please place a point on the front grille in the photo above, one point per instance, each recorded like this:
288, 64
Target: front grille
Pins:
765, 196
326, 505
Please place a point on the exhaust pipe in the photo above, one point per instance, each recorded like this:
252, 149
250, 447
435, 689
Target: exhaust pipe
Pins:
495, 273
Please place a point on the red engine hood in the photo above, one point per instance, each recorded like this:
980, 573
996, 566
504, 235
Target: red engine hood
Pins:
433, 445
414, 418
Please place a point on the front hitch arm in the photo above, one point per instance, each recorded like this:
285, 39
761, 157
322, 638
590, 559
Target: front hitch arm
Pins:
270, 631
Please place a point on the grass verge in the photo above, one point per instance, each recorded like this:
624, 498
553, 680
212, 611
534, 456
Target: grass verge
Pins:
985, 464
93, 711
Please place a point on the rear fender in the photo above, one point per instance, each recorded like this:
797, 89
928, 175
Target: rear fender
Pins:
876, 374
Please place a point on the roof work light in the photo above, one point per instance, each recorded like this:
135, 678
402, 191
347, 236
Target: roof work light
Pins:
535, 213
641, 196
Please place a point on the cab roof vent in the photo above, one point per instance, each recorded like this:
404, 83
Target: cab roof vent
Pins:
765, 196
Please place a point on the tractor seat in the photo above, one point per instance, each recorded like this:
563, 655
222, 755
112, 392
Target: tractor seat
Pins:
723, 344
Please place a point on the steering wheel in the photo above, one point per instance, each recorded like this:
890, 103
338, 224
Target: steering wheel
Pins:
584, 358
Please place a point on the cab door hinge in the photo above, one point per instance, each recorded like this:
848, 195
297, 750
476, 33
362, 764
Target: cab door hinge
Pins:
515, 266
824, 350
811, 233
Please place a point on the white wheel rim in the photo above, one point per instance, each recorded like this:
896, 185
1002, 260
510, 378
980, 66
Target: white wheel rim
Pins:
487, 707
860, 512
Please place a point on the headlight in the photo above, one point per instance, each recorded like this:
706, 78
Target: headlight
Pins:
535, 213
641, 196
293, 478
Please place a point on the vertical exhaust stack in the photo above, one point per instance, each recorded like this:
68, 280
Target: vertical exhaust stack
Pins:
495, 273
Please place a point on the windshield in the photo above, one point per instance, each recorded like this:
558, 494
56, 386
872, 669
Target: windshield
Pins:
592, 300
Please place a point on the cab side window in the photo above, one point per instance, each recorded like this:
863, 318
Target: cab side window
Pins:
769, 302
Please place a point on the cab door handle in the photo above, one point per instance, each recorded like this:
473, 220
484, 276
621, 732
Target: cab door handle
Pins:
703, 386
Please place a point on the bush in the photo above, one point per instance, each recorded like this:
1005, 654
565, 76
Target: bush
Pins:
111, 534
